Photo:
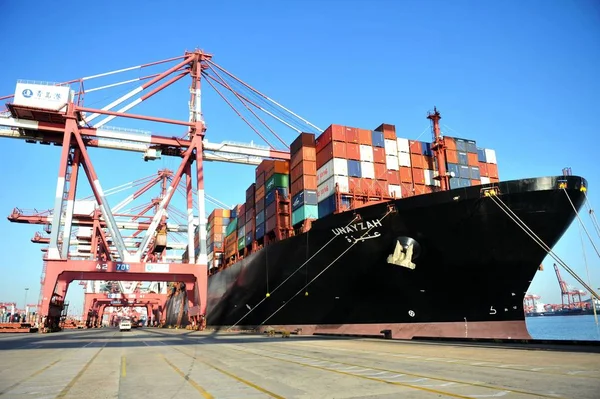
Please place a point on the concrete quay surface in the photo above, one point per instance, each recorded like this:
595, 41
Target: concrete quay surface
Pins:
162, 363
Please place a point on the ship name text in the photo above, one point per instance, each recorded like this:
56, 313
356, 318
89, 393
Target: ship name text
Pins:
356, 227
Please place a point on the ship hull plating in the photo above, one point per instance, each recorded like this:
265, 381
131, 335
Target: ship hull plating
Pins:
469, 270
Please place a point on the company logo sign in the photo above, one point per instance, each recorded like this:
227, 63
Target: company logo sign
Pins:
27, 93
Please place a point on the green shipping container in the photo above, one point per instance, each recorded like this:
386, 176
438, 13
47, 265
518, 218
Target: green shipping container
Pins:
277, 180
231, 227
305, 212
242, 242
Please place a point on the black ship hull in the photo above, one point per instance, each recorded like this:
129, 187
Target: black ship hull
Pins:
472, 266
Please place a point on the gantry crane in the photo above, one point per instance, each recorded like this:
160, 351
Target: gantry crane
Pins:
568, 292
55, 114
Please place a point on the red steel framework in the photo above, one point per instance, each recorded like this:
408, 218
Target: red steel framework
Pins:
70, 128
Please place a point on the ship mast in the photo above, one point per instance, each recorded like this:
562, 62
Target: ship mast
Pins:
439, 150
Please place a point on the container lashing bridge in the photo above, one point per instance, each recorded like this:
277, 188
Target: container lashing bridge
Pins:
56, 114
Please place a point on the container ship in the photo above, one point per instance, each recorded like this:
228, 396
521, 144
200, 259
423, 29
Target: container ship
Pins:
366, 233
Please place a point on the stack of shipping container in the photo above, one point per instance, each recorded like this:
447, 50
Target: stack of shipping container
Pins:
365, 165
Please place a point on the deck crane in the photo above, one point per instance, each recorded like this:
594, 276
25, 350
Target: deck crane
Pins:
55, 114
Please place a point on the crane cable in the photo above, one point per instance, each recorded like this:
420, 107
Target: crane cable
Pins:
509, 212
592, 214
290, 276
587, 271
325, 269
581, 221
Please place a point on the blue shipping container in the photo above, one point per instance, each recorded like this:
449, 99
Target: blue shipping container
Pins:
454, 183
464, 172
471, 147
464, 182
378, 140
354, 168
461, 145
475, 173
249, 238
306, 197
260, 218
453, 168
462, 158
305, 212
327, 206
260, 231
426, 149
211, 248
481, 155
270, 196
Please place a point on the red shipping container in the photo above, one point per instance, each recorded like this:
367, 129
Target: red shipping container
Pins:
280, 167
494, 180
483, 169
381, 187
421, 189
365, 137
406, 190
305, 182
360, 186
379, 155
405, 174
380, 171
389, 134
450, 143
335, 149
418, 176
270, 224
260, 194
417, 161
415, 147
493, 170
475, 182
260, 180
428, 162
472, 159
337, 132
352, 135
264, 166
352, 152
271, 210
452, 156
305, 154
260, 206
393, 177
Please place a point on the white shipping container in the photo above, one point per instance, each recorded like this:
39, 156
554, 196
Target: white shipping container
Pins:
84, 207
391, 162
490, 155
42, 96
366, 153
404, 159
335, 166
395, 191
391, 148
84, 232
327, 188
485, 180
402, 145
367, 170
428, 177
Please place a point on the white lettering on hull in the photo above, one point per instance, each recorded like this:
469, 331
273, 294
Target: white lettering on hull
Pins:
358, 228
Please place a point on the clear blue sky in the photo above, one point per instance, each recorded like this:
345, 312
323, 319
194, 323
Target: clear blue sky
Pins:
517, 77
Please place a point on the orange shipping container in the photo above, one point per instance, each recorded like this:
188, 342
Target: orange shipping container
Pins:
380, 171
352, 135
405, 174
450, 143
475, 182
260, 180
415, 147
494, 180
305, 154
406, 190
483, 169
264, 166
418, 161
360, 186
389, 134
381, 187
365, 137
418, 176
428, 162
280, 167
452, 156
352, 152
379, 155
472, 159
304, 168
493, 170
421, 189
305, 182
217, 237
335, 149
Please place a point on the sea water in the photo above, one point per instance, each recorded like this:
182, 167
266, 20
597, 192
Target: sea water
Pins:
581, 328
